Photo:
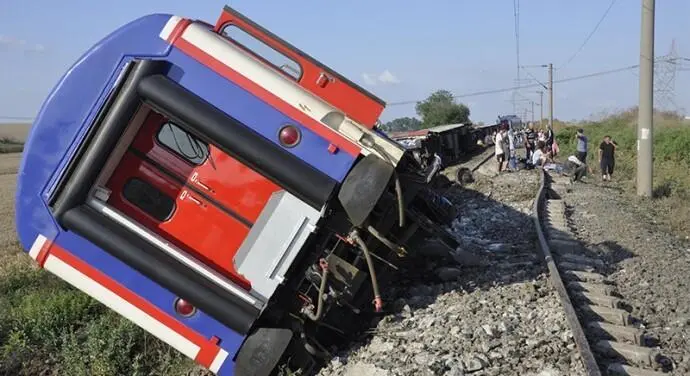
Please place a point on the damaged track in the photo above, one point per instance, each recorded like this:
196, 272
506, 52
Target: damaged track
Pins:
604, 331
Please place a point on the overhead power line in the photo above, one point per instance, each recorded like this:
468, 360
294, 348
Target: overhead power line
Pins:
503, 90
535, 79
603, 17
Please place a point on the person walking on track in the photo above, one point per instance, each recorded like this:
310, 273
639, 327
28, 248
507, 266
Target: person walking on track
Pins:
607, 159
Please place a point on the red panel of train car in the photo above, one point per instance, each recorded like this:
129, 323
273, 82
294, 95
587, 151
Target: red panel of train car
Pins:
205, 168
356, 102
151, 197
190, 193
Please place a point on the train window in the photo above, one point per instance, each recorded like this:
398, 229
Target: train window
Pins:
264, 51
183, 143
149, 199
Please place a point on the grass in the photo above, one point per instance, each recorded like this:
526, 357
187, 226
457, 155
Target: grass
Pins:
670, 205
47, 327
12, 137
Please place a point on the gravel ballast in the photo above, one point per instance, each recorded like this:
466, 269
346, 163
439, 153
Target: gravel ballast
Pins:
650, 267
499, 318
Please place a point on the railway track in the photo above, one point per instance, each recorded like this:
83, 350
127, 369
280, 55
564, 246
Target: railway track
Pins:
609, 340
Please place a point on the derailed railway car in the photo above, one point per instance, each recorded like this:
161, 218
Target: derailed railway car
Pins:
243, 213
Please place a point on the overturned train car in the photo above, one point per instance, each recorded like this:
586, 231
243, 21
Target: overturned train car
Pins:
243, 209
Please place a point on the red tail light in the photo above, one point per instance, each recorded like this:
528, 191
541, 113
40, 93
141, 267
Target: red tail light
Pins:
289, 136
184, 308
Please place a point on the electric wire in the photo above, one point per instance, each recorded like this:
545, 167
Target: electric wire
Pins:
507, 89
577, 52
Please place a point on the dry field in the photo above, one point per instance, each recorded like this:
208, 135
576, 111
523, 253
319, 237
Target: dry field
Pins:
9, 163
10, 251
17, 131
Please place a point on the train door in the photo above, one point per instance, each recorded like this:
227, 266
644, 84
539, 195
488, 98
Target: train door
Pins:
190, 193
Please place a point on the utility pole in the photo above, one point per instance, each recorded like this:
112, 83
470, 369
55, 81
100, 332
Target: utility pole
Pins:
532, 111
541, 108
645, 113
551, 96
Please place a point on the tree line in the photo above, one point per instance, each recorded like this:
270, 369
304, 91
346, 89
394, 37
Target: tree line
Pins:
438, 109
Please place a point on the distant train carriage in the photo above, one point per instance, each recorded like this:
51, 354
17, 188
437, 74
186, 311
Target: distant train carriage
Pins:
450, 141
238, 212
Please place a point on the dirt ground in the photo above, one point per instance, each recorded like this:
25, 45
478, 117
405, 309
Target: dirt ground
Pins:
9, 164
10, 250
17, 131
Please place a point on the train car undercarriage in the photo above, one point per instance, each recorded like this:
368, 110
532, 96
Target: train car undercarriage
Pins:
339, 286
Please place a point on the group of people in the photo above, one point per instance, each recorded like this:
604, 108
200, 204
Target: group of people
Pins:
539, 146
540, 141
607, 155
541, 150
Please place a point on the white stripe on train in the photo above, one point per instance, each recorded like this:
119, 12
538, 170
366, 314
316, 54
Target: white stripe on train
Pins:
113, 301
285, 88
169, 27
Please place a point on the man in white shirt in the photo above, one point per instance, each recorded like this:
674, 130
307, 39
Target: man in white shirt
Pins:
578, 168
500, 152
512, 162
540, 156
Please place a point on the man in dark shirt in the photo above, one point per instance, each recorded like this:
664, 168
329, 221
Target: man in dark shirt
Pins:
607, 158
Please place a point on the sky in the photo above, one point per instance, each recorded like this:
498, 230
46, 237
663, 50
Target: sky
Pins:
400, 50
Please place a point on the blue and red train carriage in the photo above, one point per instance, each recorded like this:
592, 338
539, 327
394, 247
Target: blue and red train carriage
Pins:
225, 196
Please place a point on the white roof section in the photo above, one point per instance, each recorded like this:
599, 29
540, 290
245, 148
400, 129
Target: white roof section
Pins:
446, 127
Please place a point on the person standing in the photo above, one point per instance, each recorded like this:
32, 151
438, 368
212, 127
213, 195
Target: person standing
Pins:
512, 163
607, 159
551, 144
530, 141
581, 145
499, 148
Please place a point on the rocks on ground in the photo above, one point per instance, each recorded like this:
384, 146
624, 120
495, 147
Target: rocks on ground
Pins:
650, 267
499, 318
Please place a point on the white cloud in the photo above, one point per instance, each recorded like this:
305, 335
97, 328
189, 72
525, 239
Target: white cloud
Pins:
15, 43
388, 78
385, 78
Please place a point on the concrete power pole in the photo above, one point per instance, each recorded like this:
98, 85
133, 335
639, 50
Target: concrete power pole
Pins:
551, 95
541, 108
532, 111
646, 107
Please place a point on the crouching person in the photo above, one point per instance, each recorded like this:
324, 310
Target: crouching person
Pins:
577, 168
